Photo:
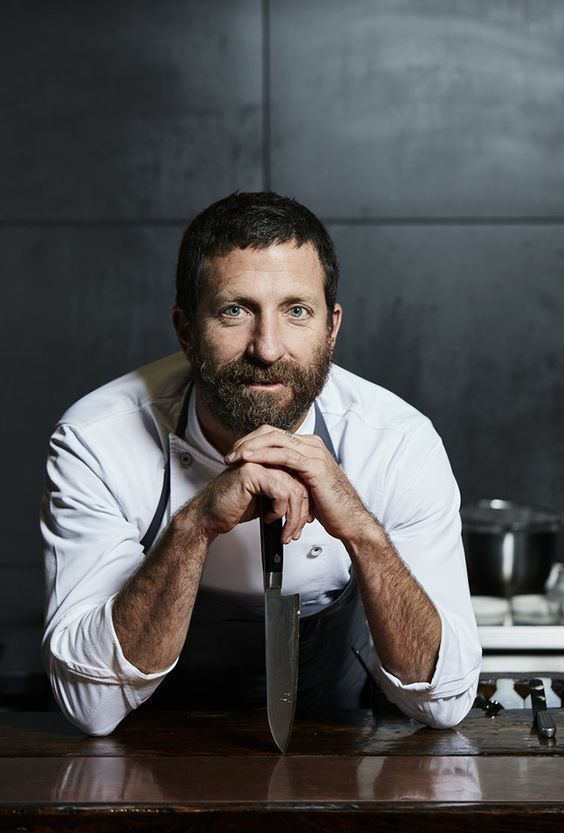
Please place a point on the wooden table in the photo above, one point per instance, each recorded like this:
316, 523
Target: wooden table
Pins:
220, 771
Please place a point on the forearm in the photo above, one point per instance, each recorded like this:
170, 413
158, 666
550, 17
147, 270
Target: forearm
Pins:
151, 614
404, 623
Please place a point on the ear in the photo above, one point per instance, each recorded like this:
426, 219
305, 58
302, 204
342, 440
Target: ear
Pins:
337, 317
183, 330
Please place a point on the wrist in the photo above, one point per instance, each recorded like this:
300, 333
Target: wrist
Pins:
369, 535
192, 521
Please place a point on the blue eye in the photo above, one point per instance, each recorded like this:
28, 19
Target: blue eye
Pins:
233, 311
297, 312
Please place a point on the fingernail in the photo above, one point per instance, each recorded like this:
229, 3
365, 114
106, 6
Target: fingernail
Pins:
229, 457
298, 535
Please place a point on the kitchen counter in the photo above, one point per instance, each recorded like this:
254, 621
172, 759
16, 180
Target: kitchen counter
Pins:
220, 771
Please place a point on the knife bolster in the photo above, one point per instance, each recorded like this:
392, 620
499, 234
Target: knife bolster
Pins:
272, 581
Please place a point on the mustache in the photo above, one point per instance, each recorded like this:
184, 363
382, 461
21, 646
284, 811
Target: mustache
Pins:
224, 386
243, 371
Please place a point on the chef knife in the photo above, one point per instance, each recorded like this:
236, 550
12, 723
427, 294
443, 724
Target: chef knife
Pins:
543, 720
282, 634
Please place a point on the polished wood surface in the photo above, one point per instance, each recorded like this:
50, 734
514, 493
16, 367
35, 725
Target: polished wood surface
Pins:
221, 771
182, 734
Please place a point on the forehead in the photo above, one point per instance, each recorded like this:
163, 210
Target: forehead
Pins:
282, 265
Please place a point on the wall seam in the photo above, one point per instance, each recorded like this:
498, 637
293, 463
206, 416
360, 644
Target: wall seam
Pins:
337, 221
266, 97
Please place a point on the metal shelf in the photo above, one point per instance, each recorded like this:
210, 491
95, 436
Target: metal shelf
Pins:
521, 637
523, 665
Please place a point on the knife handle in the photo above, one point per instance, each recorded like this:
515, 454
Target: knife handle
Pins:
546, 726
544, 721
271, 546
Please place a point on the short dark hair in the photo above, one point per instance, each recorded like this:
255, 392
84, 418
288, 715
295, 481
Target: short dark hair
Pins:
249, 219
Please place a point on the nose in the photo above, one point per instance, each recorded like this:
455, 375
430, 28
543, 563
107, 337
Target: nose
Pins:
266, 343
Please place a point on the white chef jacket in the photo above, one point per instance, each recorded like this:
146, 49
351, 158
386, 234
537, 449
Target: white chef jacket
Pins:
105, 471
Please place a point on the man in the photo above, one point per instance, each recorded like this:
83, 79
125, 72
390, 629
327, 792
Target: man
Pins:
150, 515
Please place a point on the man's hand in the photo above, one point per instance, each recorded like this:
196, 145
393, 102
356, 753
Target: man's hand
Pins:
404, 622
330, 496
231, 499
162, 591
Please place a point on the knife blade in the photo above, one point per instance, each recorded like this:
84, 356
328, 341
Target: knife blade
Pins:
542, 719
282, 634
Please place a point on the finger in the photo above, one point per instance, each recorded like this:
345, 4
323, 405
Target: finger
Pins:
305, 515
311, 509
266, 436
276, 436
296, 517
278, 486
308, 466
258, 432
247, 447
288, 497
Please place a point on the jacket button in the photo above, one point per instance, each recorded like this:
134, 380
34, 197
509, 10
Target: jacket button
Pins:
315, 551
185, 459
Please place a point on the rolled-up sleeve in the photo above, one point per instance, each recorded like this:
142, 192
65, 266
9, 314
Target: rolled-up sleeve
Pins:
447, 699
422, 518
90, 551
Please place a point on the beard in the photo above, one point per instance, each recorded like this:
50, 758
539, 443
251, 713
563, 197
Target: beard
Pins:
241, 409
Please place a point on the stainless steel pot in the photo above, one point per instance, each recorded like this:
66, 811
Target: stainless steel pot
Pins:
509, 546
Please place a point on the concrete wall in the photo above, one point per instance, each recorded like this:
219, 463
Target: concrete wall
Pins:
427, 135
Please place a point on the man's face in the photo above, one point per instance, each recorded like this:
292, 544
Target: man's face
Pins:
262, 344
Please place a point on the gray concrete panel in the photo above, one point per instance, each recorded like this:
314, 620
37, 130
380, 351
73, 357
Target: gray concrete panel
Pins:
465, 322
131, 109
22, 600
85, 306
402, 108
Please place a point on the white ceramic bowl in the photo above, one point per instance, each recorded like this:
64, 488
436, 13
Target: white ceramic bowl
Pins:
533, 609
490, 610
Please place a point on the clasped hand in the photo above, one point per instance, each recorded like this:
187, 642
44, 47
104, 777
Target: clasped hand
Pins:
297, 473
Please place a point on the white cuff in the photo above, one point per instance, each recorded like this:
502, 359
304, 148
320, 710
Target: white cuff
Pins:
448, 697
459, 657
87, 646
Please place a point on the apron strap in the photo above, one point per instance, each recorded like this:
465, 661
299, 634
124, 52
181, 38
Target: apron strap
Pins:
147, 541
320, 428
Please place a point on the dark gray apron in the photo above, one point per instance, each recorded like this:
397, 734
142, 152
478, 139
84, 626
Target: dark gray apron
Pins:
222, 663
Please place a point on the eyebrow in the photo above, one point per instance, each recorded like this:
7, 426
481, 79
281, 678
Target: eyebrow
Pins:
222, 298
